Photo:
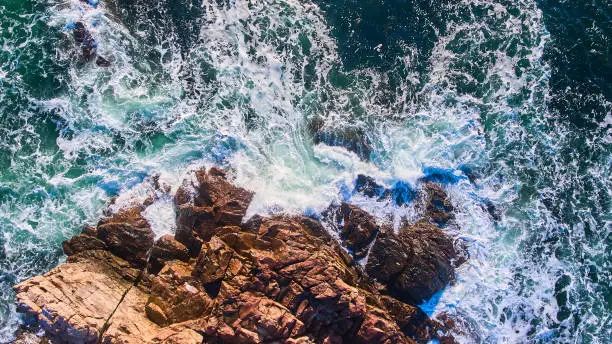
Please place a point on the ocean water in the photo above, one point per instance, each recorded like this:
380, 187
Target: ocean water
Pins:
507, 103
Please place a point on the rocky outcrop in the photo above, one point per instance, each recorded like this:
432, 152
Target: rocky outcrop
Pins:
415, 263
438, 208
281, 279
127, 235
73, 301
214, 202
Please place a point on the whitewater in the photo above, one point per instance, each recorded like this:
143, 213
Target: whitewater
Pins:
296, 99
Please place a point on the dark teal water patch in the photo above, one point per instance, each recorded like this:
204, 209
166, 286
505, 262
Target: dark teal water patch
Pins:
581, 95
580, 57
180, 20
361, 26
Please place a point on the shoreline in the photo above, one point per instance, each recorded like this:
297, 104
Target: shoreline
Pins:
220, 278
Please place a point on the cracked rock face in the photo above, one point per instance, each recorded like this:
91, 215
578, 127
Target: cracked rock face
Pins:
271, 279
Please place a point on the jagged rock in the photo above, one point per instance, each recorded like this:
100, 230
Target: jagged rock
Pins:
261, 319
283, 261
156, 314
166, 248
229, 202
415, 323
216, 203
415, 264
128, 235
194, 225
272, 279
358, 230
179, 295
212, 262
82, 242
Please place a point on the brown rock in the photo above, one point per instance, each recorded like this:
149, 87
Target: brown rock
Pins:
166, 248
285, 262
228, 201
216, 202
415, 264
82, 242
129, 323
378, 328
89, 230
193, 223
272, 279
73, 301
358, 230
128, 235
213, 261
156, 314
260, 319
178, 334
178, 294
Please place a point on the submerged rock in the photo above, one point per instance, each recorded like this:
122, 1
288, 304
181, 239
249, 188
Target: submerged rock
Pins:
352, 139
87, 44
278, 279
85, 40
102, 62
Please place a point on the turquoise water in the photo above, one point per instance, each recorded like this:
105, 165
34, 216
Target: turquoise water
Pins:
507, 102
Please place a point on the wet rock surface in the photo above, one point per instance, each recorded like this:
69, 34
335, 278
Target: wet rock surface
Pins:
128, 235
358, 230
281, 279
438, 208
415, 263
88, 45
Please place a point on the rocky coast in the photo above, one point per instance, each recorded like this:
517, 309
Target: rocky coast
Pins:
224, 278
